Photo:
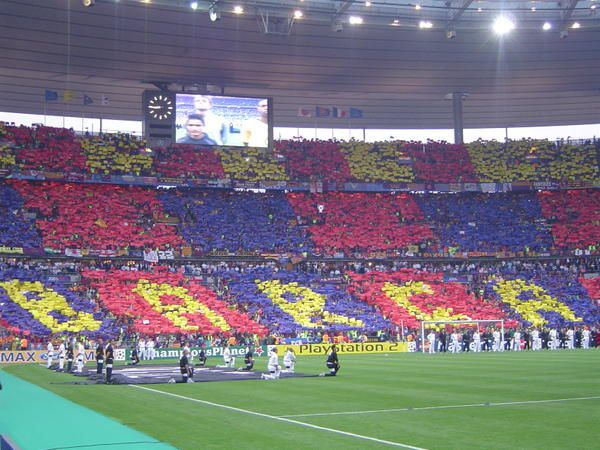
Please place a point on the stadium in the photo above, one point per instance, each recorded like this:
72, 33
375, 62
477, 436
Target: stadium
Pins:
299, 224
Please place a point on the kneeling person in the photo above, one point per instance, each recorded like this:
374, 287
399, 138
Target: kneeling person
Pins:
248, 359
273, 366
187, 372
333, 363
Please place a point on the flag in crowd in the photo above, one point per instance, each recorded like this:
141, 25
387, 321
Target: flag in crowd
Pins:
68, 95
338, 112
355, 113
321, 111
305, 112
51, 96
87, 100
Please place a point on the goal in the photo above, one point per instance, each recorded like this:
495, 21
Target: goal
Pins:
436, 323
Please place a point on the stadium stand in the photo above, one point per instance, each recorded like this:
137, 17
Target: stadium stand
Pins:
354, 223
56, 149
117, 154
487, 222
251, 164
215, 220
315, 160
574, 217
379, 162
96, 216
440, 162
179, 161
268, 301
294, 294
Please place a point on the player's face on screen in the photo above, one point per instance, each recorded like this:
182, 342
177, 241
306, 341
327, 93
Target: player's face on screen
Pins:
263, 107
202, 104
195, 128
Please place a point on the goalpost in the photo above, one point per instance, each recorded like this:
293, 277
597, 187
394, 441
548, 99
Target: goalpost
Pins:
459, 322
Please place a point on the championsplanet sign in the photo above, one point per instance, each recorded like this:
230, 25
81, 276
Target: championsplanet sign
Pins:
347, 348
175, 353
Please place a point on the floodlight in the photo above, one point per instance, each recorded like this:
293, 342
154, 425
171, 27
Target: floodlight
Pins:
503, 25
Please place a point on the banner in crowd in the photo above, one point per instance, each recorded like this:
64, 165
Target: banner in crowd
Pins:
346, 347
520, 186
4, 249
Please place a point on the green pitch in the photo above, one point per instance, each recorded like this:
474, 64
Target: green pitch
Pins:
545, 400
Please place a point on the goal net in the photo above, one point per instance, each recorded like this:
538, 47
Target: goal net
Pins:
480, 324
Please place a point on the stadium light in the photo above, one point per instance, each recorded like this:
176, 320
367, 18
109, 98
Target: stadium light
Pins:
547, 26
194, 5
88, 3
503, 25
355, 20
238, 9
576, 25
298, 14
425, 24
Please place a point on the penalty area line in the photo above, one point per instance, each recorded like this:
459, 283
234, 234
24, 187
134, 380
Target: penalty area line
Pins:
428, 408
280, 419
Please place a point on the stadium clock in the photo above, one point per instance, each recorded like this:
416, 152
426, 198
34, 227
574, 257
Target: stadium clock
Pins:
160, 107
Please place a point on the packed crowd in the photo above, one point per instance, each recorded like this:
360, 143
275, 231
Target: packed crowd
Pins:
56, 149
60, 217
272, 302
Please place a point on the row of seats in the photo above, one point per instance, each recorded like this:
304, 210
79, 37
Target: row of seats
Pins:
268, 300
53, 149
59, 216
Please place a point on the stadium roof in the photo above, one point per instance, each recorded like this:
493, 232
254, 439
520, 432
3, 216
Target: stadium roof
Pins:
397, 74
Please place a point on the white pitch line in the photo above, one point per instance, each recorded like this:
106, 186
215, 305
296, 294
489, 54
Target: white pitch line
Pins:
281, 419
424, 408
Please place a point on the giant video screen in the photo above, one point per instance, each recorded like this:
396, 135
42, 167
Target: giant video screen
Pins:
223, 120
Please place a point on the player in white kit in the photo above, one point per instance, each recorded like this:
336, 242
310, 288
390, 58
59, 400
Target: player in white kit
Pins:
289, 360
273, 366
50, 354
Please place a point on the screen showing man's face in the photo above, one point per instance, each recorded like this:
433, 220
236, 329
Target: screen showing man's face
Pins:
225, 119
263, 108
195, 128
202, 105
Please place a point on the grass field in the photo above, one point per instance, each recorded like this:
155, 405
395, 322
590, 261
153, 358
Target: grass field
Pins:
545, 400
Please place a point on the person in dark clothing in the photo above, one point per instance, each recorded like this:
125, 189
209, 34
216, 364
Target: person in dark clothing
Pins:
527, 339
195, 129
187, 372
443, 339
110, 357
70, 357
99, 357
466, 341
249, 359
202, 357
333, 363
135, 358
